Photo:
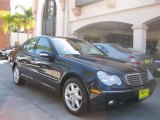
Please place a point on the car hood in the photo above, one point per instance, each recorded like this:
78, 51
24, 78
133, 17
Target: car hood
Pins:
140, 55
102, 62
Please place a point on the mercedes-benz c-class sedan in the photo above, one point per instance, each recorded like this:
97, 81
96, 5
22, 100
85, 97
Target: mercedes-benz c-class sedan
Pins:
80, 73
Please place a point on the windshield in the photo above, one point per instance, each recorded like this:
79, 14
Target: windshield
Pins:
71, 46
121, 49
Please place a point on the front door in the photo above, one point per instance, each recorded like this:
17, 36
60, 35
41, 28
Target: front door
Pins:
44, 66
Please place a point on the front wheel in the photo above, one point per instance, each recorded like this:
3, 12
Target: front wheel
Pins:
16, 76
75, 96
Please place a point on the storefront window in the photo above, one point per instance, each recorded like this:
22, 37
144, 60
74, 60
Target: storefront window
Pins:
152, 46
51, 10
123, 40
49, 18
92, 39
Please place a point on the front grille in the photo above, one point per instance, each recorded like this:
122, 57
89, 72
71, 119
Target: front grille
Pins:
136, 79
144, 78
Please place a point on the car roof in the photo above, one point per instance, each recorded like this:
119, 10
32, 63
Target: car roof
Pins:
57, 37
104, 44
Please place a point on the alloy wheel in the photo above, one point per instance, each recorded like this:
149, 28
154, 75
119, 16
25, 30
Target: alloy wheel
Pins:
73, 96
16, 75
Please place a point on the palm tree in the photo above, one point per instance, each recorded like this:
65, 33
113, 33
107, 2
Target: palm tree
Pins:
18, 21
28, 19
8, 23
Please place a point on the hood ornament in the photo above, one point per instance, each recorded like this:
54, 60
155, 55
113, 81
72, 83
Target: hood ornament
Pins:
135, 67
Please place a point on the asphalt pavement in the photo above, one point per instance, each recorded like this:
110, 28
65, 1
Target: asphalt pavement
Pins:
30, 102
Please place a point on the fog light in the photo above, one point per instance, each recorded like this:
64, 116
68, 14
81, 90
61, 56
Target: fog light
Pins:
111, 102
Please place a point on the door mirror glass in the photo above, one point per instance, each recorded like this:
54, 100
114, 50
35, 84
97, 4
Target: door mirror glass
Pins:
50, 56
45, 54
43, 49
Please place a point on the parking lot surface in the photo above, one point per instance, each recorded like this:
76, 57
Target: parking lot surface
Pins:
30, 102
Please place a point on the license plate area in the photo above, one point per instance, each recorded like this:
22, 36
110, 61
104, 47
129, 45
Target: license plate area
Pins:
158, 69
147, 61
143, 93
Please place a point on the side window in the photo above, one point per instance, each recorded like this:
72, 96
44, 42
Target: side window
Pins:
43, 46
29, 46
99, 47
105, 50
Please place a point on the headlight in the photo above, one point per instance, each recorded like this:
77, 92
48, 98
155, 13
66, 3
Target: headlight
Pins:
108, 79
149, 74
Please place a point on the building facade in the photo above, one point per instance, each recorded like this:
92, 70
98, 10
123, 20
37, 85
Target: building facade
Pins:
4, 5
133, 23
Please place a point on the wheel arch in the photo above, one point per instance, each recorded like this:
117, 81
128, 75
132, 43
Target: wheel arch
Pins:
70, 75
14, 64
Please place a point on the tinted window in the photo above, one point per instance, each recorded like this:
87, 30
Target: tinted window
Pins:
70, 46
121, 49
102, 48
105, 50
43, 46
29, 46
99, 47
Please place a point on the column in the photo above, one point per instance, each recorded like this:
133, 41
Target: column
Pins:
41, 4
66, 20
60, 17
34, 10
139, 37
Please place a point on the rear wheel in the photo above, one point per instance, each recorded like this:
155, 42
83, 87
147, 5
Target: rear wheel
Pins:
75, 96
16, 76
9, 58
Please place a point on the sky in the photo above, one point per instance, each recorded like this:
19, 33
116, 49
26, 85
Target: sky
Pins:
25, 3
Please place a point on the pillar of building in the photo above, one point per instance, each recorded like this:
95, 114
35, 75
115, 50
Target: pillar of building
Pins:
34, 10
40, 9
139, 37
60, 17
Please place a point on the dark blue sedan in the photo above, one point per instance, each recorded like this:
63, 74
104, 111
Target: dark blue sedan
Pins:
80, 73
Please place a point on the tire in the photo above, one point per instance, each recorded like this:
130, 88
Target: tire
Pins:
16, 76
75, 96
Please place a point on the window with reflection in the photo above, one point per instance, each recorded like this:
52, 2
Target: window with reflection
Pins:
43, 46
49, 18
51, 11
78, 47
29, 46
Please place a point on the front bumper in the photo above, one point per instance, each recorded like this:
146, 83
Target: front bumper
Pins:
158, 65
120, 97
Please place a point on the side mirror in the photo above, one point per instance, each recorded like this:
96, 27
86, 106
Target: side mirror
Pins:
50, 56
44, 54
